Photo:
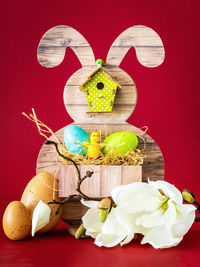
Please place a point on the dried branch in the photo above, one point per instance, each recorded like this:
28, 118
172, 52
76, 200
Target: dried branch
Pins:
80, 180
49, 142
61, 203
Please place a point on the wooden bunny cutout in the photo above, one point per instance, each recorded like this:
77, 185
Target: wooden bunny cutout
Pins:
150, 53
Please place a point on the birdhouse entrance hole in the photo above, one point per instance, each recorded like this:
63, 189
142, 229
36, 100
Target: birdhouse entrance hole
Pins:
100, 86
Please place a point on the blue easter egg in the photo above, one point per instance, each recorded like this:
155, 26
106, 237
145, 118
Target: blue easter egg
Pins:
74, 134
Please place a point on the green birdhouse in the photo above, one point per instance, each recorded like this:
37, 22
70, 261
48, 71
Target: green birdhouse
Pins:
100, 89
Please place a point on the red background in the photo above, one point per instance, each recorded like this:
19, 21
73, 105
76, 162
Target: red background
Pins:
168, 102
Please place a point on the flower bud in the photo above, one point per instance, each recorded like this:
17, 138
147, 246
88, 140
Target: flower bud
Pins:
104, 208
105, 203
197, 219
80, 231
188, 196
103, 213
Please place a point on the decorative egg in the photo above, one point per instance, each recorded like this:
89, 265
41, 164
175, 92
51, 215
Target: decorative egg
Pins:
16, 221
73, 137
120, 142
43, 187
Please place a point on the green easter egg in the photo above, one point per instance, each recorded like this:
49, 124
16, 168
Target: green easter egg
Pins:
99, 62
120, 142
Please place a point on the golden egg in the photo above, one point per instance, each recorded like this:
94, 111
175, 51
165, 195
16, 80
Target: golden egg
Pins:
16, 221
43, 187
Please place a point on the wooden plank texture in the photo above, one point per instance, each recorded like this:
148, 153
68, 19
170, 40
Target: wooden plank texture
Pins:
124, 103
104, 179
147, 43
130, 174
110, 178
91, 185
150, 53
51, 50
67, 181
73, 211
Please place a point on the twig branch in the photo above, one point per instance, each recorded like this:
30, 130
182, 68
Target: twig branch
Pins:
78, 188
80, 180
49, 142
61, 203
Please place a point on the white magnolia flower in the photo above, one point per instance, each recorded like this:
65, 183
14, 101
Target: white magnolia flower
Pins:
107, 234
41, 216
156, 210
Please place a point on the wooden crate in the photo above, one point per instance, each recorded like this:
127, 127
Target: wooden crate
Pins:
104, 179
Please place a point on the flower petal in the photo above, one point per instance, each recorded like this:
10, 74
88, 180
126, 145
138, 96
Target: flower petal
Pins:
124, 193
112, 232
89, 203
161, 237
108, 240
183, 211
92, 234
159, 217
129, 221
112, 225
169, 190
151, 220
128, 239
140, 203
41, 216
91, 222
187, 218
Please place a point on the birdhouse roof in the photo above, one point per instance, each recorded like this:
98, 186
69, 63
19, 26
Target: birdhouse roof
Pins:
89, 78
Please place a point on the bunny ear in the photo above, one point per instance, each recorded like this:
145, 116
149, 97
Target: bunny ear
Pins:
52, 47
148, 45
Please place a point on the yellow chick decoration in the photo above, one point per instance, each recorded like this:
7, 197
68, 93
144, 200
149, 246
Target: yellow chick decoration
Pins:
94, 147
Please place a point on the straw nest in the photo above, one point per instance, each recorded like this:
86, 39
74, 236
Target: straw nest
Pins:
134, 157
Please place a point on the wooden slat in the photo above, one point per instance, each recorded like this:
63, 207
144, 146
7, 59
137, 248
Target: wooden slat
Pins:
67, 181
118, 74
104, 179
51, 50
112, 128
153, 167
144, 53
110, 178
147, 43
130, 174
118, 114
138, 35
75, 97
91, 186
